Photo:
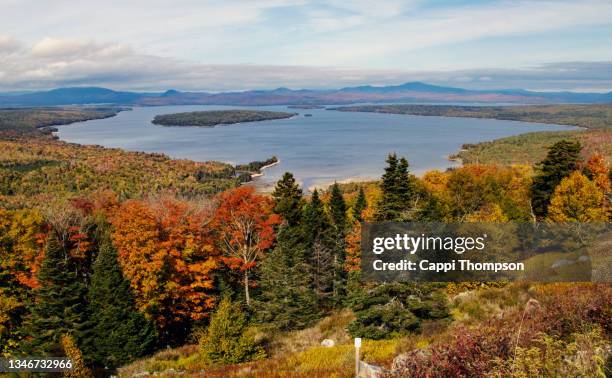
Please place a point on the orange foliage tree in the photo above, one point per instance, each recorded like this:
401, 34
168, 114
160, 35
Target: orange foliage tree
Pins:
245, 224
166, 251
598, 171
577, 199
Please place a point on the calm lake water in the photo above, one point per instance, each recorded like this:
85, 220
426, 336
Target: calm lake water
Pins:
326, 147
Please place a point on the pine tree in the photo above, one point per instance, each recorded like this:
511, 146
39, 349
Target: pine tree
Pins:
60, 305
360, 205
120, 333
560, 162
398, 189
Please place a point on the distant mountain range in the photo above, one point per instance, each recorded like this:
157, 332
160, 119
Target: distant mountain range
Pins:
405, 93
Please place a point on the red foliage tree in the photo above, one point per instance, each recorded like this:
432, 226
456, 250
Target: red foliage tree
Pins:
245, 225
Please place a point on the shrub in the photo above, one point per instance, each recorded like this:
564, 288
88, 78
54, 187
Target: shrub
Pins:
392, 310
228, 339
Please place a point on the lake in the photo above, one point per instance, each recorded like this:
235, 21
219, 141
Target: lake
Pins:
329, 146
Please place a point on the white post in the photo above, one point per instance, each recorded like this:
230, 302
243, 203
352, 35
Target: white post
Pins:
357, 346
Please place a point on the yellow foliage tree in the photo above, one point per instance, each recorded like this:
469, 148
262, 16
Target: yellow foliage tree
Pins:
577, 199
489, 213
79, 369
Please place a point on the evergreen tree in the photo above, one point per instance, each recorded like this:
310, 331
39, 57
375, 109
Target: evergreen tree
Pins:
360, 205
228, 339
320, 243
286, 300
560, 162
286, 296
337, 209
289, 201
398, 189
60, 305
120, 333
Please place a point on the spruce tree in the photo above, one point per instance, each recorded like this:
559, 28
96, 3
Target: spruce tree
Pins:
289, 200
60, 305
337, 209
321, 246
228, 339
560, 162
398, 189
286, 297
360, 205
120, 333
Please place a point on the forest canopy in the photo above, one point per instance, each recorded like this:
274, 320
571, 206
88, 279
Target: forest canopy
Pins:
210, 118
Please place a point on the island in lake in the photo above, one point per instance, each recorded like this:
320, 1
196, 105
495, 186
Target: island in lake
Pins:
210, 118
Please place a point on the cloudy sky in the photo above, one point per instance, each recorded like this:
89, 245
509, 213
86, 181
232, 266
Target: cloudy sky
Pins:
218, 45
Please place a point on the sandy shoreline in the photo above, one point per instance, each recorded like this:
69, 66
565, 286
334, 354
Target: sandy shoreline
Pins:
261, 170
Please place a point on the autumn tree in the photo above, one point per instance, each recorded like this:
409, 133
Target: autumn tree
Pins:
577, 199
560, 162
71, 350
245, 226
167, 254
597, 171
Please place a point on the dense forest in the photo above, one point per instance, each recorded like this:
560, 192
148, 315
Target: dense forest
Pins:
22, 120
588, 116
521, 149
210, 118
134, 263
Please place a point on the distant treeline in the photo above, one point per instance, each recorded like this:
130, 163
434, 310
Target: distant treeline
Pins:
588, 116
26, 120
211, 118
255, 166
244, 172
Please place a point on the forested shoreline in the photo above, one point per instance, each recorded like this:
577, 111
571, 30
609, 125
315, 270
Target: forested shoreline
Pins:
211, 118
111, 257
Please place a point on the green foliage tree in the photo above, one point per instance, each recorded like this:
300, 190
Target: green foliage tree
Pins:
398, 189
396, 309
286, 298
119, 332
560, 162
60, 303
337, 210
228, 339
318, 234
289, 200
360, 205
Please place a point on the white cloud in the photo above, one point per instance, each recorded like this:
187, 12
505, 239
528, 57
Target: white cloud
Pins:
445, 27
75, 62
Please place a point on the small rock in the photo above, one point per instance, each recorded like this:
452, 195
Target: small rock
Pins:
328, 343
560, 263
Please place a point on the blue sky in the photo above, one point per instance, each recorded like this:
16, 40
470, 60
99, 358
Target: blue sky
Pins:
248, 44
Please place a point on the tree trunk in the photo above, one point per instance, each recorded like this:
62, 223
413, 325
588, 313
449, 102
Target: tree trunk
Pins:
246, 288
